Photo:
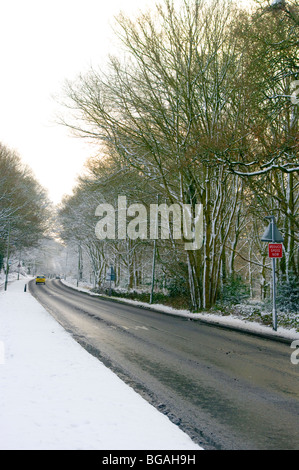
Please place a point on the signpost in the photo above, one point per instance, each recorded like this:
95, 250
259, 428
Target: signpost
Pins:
273, 236
154, 255
110, 277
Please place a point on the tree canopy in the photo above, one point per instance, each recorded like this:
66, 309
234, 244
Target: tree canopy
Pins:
200, 111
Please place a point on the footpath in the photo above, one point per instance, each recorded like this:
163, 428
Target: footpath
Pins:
55, 396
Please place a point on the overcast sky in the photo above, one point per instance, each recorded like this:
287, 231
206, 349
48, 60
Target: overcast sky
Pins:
42, 43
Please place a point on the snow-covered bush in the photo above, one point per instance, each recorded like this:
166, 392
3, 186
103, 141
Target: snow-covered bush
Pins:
234, 291
288, 295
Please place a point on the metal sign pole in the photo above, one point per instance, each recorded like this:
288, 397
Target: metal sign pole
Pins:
273, 235
110, 277
110, 286
274, 312
154, 254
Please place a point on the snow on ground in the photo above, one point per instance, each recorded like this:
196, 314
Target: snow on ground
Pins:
11, 277
55, 396
227, 320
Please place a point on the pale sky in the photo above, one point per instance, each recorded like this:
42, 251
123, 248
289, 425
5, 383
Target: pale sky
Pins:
42, 43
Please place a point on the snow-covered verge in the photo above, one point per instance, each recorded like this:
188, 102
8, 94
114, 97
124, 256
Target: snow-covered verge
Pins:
12, 277
55, 396
231, 321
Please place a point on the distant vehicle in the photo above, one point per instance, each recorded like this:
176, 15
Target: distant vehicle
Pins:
57, 277
40, 280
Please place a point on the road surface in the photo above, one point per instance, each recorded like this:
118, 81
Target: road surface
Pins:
226, 389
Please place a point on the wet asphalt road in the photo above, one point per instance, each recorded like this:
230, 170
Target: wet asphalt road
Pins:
226, 389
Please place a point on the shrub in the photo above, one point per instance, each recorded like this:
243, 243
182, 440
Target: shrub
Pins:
287, 298
234, 291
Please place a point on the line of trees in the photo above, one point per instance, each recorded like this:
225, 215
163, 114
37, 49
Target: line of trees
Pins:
24, 214
198, 111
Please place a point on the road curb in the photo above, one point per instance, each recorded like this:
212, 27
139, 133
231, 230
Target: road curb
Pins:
274, 336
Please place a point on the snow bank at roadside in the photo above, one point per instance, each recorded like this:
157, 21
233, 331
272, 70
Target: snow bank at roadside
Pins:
12, 277
227, 320
54, 395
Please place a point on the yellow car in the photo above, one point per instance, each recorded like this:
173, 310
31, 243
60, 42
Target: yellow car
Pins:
40, 280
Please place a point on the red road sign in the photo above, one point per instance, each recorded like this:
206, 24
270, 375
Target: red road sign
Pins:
275, 250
